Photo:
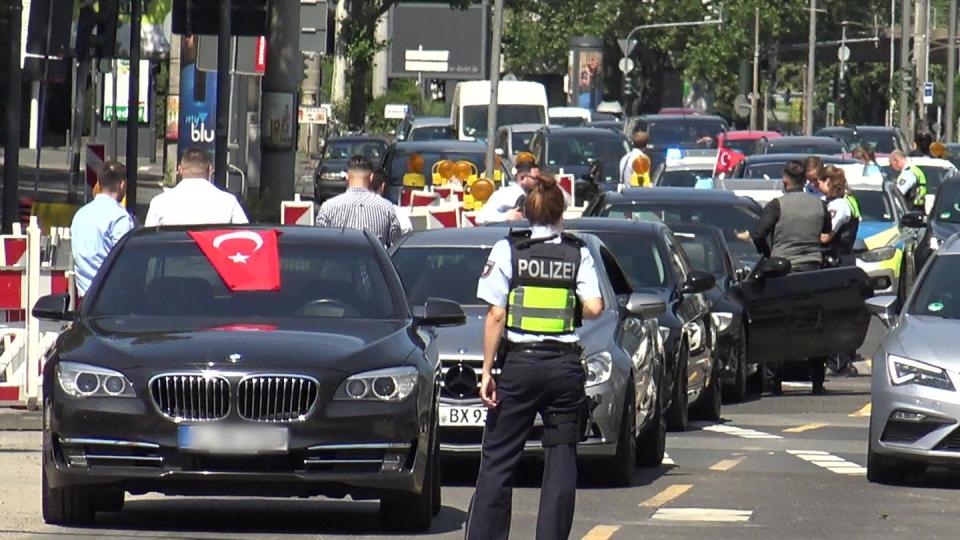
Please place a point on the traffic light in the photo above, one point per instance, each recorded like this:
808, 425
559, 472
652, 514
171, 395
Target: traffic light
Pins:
97, 30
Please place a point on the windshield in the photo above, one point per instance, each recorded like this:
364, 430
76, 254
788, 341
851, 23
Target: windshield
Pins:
946, 207
730, 219
431, 133
372, 150
521, 141
639, 258
441, 273
397, 166
702, 178
806, 148
934, 175
564, 151
567, 121
938, 295
744, 146
703, 252
874, 206
846, 137
882, 142
175, 279
685, 133
475, 117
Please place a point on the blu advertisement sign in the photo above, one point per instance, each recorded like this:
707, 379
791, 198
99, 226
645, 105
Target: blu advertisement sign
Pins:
198, 102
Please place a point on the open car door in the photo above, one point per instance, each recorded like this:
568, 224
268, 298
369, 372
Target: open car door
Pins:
806, 314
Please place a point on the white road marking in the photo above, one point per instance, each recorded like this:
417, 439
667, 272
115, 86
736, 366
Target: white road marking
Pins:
740, 432
829, 462
703, 514
667, 460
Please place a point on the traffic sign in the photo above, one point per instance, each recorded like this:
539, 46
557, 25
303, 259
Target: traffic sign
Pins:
421, 60
843, 53
312, 115
928, 93
395, 111
626, 65
627, 48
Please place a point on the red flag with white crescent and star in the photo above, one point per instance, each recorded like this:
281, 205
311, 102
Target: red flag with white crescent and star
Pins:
727, 160
246, 260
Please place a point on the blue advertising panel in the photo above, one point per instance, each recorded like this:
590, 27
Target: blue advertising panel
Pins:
198, 102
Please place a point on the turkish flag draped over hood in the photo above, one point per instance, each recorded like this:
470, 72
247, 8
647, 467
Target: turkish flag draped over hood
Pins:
727, 160
246, 260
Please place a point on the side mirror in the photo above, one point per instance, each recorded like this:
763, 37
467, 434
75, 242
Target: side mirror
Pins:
698, 282
913, 220
53, 307
440, 313
772, 267
883, 308
646, 306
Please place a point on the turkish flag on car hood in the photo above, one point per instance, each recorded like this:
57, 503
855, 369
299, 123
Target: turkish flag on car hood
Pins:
246, 260
727, 160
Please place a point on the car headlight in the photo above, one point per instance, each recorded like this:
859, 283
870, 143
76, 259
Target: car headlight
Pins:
391, 384
695, 334
934, 243
880, 254
331, 175
722, 320
599, 368
82, 380
906, 371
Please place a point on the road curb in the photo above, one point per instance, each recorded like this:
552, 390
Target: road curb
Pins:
19, 420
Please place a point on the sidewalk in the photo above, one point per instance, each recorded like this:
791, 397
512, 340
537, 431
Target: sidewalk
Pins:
20, 420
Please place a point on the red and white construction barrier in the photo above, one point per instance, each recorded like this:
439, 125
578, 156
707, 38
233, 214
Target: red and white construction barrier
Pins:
297, 212
24, 278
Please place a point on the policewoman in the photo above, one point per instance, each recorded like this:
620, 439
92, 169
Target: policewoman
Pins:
539, 283
844, 213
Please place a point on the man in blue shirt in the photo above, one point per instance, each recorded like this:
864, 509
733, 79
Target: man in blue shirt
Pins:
99, 225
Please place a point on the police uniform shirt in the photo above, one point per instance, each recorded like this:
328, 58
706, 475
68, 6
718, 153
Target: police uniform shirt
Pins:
906, 180
502, 201
494, 285
626, 165
840, 213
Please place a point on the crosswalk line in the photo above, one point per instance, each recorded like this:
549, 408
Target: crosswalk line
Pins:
806, 427
717, 515
667, 495
834, 464
740, 432
601, 532
727, 464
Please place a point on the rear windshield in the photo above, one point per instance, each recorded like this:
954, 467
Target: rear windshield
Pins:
836, 147
372, 150
475, 117
744, 146
687, 133
581, 150
639, 258
431, 133
176, 279
398, 166
437, 272
690, 179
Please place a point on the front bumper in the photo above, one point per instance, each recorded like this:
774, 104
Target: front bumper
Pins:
884, 274
343, 448
931, 437
325, 189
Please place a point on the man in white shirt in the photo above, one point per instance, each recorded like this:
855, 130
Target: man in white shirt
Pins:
505, 203
640, 141
378, 184
195, 200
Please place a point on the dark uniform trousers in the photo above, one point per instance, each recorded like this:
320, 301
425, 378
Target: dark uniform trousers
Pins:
531, 381
818, 364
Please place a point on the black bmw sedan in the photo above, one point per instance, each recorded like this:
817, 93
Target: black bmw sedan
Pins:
250, 361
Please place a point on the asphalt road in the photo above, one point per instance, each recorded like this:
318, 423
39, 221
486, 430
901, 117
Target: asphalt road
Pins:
789, 467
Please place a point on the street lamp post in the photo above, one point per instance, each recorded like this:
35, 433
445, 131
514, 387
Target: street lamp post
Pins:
811, 66
756, 69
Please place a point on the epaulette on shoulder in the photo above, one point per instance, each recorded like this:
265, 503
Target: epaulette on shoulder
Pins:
520, 234
573, 239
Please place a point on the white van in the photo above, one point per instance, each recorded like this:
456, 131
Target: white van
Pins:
569, 116
518, 102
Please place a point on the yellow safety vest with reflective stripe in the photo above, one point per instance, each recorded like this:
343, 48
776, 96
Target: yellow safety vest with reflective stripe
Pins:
919, 189
542, 297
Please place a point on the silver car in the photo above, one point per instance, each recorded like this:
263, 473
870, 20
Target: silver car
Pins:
622, 349
915, 417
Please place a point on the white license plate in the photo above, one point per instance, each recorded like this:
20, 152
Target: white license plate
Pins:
463, 416
233, 439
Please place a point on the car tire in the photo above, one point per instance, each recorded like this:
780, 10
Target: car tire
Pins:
678, 415
652, 442
708, 407
621, 467
66, 505
412, 512
737, 392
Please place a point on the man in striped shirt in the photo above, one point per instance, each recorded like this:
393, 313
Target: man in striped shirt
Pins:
360, 208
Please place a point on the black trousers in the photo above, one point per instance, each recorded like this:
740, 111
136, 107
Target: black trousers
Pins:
816, 366
551, 383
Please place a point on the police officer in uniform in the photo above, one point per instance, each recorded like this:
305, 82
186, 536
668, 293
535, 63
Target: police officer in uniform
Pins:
539, 283
798, 223
911, 181
506, 203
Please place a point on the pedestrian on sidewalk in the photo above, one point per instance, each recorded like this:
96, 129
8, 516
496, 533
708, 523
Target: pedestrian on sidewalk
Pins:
99, 225
195, 200
359, 208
